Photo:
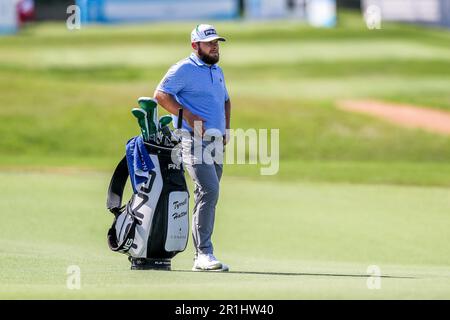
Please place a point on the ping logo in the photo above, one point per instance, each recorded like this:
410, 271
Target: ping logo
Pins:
139, 215
128, 244
174, 166
210, 32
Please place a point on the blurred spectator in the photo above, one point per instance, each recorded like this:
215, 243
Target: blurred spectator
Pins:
25, 10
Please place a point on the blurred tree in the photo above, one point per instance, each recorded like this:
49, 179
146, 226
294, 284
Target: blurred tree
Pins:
355, 4
52, 9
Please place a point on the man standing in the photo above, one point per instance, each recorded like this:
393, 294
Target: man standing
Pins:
197, 85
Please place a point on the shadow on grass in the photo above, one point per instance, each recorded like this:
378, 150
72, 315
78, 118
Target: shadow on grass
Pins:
303, 274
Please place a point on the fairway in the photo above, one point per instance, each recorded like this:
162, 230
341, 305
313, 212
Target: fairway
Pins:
281, 75
282, 241
352, 191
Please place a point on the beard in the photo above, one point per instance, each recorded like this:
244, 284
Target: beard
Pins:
206, 58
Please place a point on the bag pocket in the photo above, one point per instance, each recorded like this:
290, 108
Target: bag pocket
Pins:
177, 221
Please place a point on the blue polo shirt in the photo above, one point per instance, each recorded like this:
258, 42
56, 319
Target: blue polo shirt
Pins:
200, 88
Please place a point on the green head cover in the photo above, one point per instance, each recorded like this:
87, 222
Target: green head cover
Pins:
149, 105
165, 121
141, 116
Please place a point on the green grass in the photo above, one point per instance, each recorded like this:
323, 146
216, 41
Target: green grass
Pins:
352, 191
282, 240
76, 90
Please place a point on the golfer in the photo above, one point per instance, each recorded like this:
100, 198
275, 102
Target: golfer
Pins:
197, 85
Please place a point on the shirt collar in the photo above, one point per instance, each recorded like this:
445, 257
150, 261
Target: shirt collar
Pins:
199, 61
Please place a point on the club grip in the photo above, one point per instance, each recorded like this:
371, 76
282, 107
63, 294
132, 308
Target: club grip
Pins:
180, 118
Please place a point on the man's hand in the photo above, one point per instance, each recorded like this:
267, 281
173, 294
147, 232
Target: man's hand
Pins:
226, 138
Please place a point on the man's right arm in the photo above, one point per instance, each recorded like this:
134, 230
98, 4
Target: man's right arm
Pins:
168, 102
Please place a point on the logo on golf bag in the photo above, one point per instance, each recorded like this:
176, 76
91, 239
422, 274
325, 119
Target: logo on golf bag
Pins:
176, 215
127, 245
177, 204
173, 166
138, 215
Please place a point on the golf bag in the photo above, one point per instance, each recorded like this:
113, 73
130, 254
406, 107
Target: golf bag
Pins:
154, 225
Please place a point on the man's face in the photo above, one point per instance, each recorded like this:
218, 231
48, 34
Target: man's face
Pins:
208, 51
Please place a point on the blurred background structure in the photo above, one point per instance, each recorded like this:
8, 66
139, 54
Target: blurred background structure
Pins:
320, 13
354, 189
434, 12
276, 53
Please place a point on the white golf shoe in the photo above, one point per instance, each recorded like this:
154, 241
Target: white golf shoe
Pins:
207, 262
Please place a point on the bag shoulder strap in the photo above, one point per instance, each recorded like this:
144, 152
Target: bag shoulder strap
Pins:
127, 241
116, 187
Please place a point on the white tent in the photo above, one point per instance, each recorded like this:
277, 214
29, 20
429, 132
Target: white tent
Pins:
436, 12
8, 16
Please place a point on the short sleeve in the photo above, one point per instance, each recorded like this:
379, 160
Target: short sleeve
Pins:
174, 80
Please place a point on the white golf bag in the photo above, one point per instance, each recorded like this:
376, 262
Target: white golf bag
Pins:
154, 225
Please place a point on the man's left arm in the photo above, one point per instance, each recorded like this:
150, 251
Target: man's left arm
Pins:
227, 107
227, 120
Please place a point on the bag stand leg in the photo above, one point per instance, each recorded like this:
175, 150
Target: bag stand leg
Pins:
150, 264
